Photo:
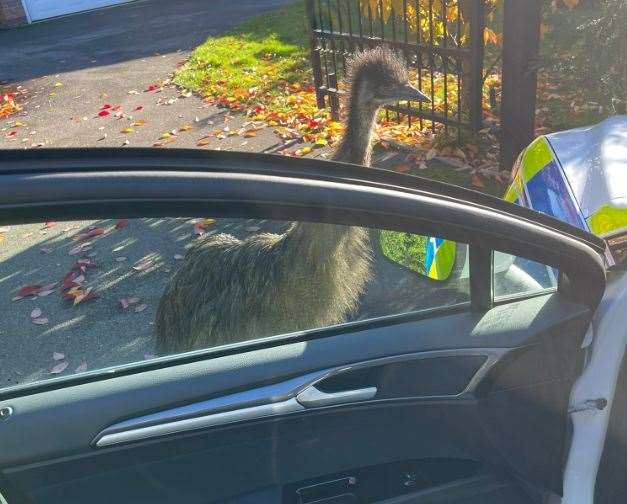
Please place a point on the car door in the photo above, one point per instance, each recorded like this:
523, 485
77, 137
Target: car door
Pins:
460, 396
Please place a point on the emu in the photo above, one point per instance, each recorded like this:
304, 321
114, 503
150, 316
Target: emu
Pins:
310, 276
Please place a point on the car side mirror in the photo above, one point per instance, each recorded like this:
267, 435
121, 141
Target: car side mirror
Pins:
428, 256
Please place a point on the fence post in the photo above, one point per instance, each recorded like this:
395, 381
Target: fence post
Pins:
316, 64
521, 42
477, 24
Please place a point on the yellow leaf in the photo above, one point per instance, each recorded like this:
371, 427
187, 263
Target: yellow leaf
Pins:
321, 142
186, 127
305, 150
203, 141
571, 4
58, 84
138, 122
128, 130
165, 135
250, 133
19, 124
208, 221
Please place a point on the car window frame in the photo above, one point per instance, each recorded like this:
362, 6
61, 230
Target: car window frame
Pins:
228, 184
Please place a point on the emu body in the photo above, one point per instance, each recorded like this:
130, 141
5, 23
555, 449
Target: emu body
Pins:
311, 276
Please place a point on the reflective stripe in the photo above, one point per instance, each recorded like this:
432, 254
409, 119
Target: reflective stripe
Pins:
535, 157
511, 195
440, 258
607, 220
549, 194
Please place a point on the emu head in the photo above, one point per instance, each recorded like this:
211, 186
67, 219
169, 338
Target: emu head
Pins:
379, 77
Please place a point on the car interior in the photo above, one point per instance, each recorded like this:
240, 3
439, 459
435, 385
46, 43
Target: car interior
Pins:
464, 402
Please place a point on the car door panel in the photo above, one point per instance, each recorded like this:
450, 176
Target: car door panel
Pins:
469, 400
301, 444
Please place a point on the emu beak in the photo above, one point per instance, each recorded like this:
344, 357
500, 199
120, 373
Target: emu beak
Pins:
409, 93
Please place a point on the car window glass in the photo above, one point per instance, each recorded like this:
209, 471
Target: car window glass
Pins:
82, 296
517, 276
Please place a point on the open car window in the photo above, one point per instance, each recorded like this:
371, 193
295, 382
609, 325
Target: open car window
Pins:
86, 295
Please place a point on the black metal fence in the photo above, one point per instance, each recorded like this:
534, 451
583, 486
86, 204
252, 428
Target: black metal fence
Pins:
442, 41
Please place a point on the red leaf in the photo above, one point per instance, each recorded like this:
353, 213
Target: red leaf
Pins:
103, 113
50, 224
199, 228
83, 264
68, 280
12, 133
139, 108
116, 108
121, 224
150, 88
105, 106
95, 232
29, 290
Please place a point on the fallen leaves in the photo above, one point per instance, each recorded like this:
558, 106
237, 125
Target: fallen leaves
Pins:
121, 224
58, 356
59, 368
27, 290
80, 294
90, 233
8, 105
40, 321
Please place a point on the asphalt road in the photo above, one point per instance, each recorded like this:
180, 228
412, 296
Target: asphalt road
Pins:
70, 67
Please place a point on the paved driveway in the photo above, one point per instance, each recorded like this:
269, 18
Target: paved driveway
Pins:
74, 65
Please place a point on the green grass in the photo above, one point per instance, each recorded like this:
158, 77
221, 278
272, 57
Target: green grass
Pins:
260, 53
404, 248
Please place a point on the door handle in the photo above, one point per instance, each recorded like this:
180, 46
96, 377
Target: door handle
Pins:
312, 397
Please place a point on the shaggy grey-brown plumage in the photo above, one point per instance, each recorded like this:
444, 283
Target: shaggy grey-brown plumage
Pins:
311, 276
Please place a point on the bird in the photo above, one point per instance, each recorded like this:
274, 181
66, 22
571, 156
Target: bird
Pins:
310, 276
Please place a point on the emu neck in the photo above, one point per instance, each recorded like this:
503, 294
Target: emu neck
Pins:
356, 146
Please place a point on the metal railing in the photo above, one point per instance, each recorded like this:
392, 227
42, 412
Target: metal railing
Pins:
441, 40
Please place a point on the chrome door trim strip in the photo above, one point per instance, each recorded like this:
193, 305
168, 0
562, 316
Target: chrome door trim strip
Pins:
276, 399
